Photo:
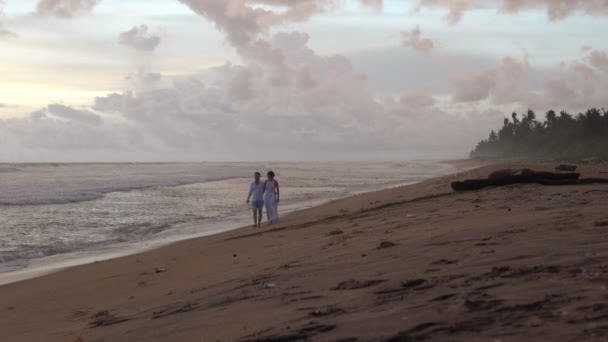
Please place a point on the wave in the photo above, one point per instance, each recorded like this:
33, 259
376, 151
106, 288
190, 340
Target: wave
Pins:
97, 193
40, 184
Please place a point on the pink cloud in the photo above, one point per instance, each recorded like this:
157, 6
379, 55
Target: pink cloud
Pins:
477, 87
456, 8
556, 9
599, 60
413, 39
65, 8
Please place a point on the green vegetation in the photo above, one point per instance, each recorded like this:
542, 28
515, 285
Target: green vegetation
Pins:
564, 137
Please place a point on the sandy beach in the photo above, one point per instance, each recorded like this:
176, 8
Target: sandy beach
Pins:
420, 262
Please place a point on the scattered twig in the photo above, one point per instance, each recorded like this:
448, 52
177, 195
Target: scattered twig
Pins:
592, 191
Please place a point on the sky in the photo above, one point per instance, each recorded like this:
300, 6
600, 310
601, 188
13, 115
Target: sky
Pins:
263, 80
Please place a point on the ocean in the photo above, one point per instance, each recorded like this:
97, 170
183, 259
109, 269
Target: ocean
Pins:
55, 215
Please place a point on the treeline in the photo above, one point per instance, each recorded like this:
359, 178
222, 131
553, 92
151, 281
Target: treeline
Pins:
564, 136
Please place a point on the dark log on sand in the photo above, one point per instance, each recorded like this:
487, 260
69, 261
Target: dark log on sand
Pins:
567, 168
508, 177
593, 181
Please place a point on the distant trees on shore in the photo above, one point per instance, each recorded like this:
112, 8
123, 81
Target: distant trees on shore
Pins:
559, 136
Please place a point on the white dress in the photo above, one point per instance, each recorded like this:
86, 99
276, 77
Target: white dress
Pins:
270, 201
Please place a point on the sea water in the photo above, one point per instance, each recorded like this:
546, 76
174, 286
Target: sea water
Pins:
50, 213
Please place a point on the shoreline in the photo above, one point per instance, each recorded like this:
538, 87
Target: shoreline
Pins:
523, 262
56, 263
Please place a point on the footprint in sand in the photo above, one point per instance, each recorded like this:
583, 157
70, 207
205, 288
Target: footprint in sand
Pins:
386, 244
353, 284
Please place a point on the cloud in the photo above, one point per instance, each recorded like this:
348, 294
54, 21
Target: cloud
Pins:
573, 86
4, 32
420, 99
239, 88
375, 4
556, 9
69, 113
414, 39
244, 20
456, 8
305, 104
138, 39
143, 81
599, 60
65, 8
286, 97
474, 88
43, 135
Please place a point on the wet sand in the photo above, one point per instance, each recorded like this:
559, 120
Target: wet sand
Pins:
421, 262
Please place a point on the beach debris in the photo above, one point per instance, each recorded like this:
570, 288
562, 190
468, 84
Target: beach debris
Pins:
535, 322
408, 284
567, 168
304, 334
105, 318
444, 297
416, 333
160, 270
289, 265
386, 244
481, 302
353, 284
174, 309
525, 176
410, 215
445, 262
270, 285
335, 232
328, 311
601, 223
234, 255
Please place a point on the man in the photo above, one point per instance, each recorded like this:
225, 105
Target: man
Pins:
256, 194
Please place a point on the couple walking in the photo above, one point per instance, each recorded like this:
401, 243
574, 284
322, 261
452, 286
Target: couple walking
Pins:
264, 194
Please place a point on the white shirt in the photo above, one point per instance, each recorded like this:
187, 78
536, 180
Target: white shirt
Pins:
256, 191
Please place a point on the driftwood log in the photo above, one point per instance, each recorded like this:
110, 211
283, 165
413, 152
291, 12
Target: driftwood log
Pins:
567, 168
508, 177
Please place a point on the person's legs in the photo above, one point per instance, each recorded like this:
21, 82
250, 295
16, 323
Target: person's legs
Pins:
257, 206
271, 211
274, 216
268, 209
276, 213
259, 221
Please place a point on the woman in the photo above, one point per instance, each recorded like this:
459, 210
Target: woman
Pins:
271, 198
